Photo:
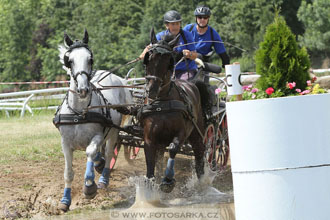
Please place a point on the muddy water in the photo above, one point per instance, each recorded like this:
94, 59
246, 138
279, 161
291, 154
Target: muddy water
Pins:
196, 199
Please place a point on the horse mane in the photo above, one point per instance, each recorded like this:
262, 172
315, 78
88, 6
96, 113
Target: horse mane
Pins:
62, 49
167, 38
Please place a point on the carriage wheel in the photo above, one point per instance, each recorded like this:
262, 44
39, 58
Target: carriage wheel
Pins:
114, 158
209, 142
222, 145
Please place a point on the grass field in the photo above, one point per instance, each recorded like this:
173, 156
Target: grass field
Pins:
32, 138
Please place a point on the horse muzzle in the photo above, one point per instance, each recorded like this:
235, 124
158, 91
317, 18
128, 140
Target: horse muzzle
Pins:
153, 86
83, 92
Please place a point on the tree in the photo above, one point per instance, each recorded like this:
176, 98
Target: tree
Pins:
289, 11
16, 25
315, 17
279, 60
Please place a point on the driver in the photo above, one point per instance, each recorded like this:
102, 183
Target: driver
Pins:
202, 32
187, 68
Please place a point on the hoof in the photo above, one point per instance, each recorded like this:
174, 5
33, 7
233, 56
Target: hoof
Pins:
167, 185
63, 207
101, 165
102, 186
90, 191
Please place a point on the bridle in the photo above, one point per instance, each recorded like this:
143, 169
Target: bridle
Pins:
160, 49
67, 63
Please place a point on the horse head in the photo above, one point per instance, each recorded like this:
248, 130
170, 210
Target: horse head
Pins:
159, 62
79, 59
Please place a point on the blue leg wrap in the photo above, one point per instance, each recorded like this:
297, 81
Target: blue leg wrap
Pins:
169, 172
97, 157
104, 178
66, 199
89, 174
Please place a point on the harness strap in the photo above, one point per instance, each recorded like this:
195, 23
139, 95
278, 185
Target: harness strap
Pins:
162, 106
183, 36
88, 117
187, 101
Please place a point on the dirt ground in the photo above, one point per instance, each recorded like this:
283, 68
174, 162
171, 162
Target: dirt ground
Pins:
33, 190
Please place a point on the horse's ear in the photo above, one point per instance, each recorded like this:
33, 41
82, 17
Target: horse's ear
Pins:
85, 40
153, 38
175, 41
67, 40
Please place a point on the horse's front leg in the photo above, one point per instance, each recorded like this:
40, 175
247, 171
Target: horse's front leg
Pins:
92, 149
68, 176
150, 156
109, 153
168, 181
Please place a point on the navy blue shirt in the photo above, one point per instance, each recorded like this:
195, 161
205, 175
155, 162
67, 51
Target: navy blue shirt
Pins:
206, 47
191, 63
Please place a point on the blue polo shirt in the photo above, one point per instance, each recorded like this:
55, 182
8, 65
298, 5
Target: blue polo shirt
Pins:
182, 66
206, 47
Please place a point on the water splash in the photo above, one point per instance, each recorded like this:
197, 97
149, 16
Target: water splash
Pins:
147, 192
200, 191
195, 197
194, 191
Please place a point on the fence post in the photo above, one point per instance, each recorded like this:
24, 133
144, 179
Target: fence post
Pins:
25, 105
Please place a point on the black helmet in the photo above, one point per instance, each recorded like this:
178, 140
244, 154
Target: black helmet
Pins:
172, 16
202, 11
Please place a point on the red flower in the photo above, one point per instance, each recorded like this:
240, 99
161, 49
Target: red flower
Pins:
314, 79
269, 91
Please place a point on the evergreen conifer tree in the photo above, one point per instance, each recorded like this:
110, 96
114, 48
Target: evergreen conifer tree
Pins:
279, 59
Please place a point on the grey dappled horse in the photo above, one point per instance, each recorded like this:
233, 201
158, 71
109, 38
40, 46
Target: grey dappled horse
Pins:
93, 136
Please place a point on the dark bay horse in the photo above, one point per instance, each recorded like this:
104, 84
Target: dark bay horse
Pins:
173, 114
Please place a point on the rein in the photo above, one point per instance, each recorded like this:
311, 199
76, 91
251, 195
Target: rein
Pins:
118, 67
211, 41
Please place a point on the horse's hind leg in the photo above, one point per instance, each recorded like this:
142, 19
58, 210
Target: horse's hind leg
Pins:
198, 147
109, 152
91, 152
68, 177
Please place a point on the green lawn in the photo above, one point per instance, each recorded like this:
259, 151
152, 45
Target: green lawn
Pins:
32, 138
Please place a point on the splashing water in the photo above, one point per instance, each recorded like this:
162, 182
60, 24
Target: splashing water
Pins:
196, 199
194, 191
200, 191
147, 192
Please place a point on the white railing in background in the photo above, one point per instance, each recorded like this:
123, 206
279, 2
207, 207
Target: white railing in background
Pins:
18, 101
8, 103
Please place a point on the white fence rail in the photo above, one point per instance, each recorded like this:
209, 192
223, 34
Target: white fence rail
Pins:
9, 102
19, 101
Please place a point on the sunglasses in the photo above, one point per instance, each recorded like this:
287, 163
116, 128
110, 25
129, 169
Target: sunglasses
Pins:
203, 17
